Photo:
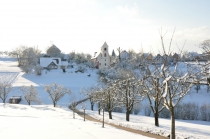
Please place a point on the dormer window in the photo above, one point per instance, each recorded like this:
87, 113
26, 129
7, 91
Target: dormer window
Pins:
104, 49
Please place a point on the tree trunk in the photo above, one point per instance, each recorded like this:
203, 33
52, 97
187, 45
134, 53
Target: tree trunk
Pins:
110, 114
73, 114
54, 103
156, 119
172, 135
127, 115
99, 109
103, 118
92, 106
4, 100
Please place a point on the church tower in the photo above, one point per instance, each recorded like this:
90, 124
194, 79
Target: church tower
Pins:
105, 58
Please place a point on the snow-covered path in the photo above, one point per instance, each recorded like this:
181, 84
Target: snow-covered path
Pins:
190, 129
46, 122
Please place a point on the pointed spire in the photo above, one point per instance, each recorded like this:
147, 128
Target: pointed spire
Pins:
113, 53
105, 44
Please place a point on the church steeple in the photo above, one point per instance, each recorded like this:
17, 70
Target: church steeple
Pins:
113, 53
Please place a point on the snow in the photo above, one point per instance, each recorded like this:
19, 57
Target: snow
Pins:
71, 80
44, 121
184, 128
47, 122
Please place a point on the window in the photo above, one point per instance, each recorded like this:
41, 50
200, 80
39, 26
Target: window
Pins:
104, 49
104, 54
105, 64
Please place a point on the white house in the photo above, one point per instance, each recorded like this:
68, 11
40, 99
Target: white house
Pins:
102, 59
53, 63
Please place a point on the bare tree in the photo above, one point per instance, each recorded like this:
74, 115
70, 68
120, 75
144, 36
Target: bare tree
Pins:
30, 94
119, 53
153, 87
5, 89
27, 56
17, 52
100, 98
56, 92
89, 93
176, 86
73, 105
131, 92
111, 100
205, 45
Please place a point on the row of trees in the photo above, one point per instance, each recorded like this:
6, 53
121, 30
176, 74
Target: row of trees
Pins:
30, 93
164, 85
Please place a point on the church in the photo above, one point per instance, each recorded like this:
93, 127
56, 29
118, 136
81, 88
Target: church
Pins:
102, 59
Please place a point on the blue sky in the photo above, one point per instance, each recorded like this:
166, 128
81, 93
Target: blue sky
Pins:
84, 25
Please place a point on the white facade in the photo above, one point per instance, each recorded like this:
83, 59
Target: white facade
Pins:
102, 59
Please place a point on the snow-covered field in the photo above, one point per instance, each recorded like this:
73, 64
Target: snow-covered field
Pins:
47, 122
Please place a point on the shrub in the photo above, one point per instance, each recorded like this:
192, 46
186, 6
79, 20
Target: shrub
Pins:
187, 111
204, 112
38, 70
81, 69
26, 68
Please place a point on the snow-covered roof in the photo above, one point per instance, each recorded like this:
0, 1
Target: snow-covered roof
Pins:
96, 54
45, 61
124, 54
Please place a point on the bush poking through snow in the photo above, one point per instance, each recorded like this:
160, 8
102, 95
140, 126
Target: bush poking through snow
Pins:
81, 69
26, 68
205, 112
38, 70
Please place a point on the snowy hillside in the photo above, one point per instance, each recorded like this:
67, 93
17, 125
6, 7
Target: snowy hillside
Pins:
47, 122
71, 80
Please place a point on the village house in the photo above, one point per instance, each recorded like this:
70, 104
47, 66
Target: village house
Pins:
102, 59
147, 57
53, 63
158, 59
51, 60
163, 59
